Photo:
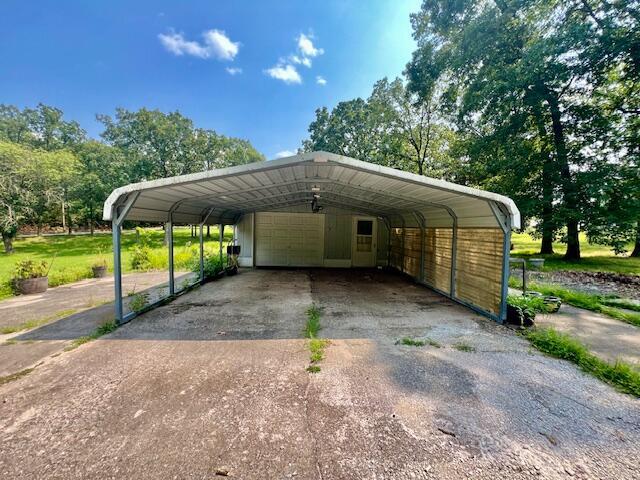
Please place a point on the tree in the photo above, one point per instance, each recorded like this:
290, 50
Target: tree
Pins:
158, 143
101, 169
508, 58
393, 127
42, 127
14, 191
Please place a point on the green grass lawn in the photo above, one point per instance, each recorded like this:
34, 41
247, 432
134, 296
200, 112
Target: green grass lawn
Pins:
74, 254
595, 258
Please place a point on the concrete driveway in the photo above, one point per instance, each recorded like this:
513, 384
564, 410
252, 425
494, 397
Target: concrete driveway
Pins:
216, 381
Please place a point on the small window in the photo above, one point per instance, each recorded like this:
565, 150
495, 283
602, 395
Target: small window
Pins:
365, 227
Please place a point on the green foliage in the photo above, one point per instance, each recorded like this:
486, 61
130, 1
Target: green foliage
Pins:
535, 304
313, 369
620, 375
595, 257
316, 347
464, 347
103, 329
25, 269
544, 95
312, 326
588, 301
390, 128
141, 258
621, 303
138, 301
411, 342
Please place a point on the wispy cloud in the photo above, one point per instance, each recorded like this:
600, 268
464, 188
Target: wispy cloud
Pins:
306, 46
216, 44
285, 72
233, 70
320, 80
285, 153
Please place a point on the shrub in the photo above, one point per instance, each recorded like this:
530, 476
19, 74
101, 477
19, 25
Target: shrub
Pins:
141, 258
535, 304
212, 264
25, 269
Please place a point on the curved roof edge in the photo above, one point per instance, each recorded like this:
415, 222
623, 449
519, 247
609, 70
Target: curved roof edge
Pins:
319, 157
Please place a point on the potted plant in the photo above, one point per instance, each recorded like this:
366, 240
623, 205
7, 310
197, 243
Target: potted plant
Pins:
31, 277
99, 266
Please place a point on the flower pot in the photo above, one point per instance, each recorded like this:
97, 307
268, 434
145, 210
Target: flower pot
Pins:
28, 286
99, 271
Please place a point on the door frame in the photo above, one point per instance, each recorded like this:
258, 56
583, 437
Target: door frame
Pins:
374, 240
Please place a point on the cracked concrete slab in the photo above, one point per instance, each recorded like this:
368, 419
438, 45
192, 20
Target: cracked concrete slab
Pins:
216, 380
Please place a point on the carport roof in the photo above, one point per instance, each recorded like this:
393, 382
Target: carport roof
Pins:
222, 196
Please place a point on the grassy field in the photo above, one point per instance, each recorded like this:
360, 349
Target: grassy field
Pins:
595, 258
74, 254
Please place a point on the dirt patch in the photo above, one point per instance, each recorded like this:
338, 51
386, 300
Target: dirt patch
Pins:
602, 283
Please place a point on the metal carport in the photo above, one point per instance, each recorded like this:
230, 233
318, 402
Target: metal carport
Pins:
451, 238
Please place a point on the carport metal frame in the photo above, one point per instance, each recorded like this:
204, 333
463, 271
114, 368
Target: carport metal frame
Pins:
122, 200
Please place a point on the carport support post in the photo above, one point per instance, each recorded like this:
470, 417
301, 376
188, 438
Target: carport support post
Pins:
169, 226
116, 225
221, 230
204, 220
504, 220
421, 224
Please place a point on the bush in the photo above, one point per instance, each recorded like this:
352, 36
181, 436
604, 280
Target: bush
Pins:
212, 264
25, 269
535, 304
141, 258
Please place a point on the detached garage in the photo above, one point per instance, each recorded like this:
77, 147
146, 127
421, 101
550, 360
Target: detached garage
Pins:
324, 210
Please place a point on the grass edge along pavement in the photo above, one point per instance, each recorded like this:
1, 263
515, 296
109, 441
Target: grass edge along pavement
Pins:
316, 345
605, 305
620, 375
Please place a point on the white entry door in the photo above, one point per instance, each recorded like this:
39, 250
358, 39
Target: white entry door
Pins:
364, 252
289, 239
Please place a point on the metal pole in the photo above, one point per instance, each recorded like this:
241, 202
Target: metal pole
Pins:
119, 214
201, 253
454, 250
221, 237
117, 270
169, 225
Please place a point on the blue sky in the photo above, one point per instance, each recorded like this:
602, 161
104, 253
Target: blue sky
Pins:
255, 70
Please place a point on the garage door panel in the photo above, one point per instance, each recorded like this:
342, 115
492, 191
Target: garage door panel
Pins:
289, 239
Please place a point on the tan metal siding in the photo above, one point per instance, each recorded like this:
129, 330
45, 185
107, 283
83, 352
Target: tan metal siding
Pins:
396, 248
412, 247
479, 267
437, 260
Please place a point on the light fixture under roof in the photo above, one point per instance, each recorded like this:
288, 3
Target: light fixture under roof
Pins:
315, 188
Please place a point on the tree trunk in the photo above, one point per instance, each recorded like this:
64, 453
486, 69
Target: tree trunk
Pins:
91, 220
636, 248
568, 185
165, 242
38, 229
8, 243
548, 228
208, 232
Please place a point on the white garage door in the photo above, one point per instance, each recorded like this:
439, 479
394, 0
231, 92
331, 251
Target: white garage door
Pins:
289, 239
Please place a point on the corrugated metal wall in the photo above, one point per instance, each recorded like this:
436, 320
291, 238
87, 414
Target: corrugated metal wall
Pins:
479, 267
478, 273
437, 258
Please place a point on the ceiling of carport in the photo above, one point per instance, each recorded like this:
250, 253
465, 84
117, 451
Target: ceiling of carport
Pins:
344, 182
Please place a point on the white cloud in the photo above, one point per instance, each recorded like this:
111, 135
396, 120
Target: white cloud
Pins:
320, 80
233, 70
307, 48
285, 72
285, 153
216, 44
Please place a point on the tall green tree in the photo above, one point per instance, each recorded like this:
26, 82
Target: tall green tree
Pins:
526, 57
